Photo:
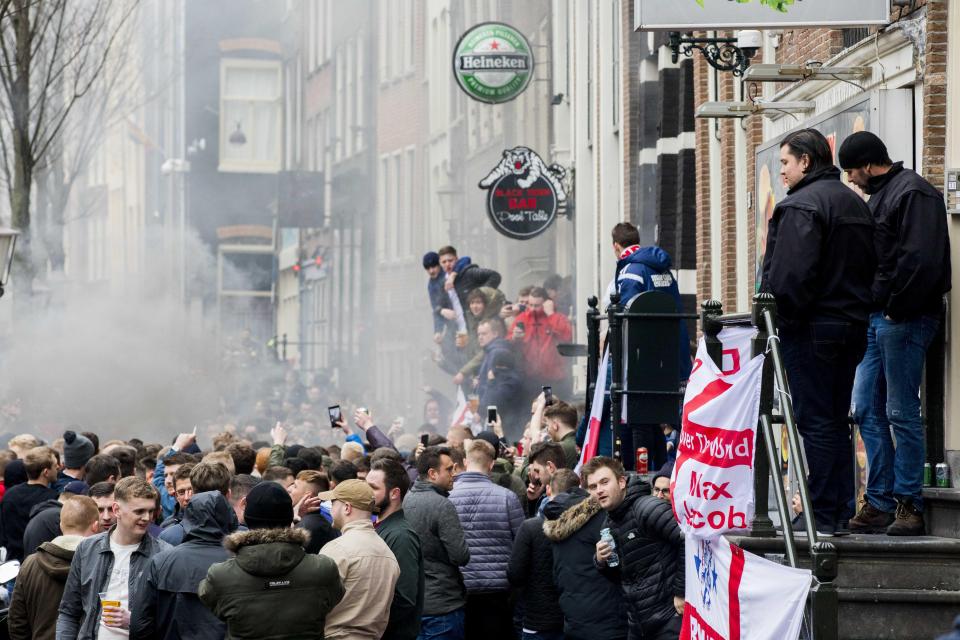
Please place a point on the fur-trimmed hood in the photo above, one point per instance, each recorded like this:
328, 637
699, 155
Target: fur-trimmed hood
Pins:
234, 542
573, 518
268, 552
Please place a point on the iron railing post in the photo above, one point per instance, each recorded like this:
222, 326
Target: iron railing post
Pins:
762, 524
615, 340
710, 312
593, 346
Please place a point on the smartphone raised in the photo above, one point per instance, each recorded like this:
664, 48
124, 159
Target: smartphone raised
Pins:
491, 414
547, 395
424, 439
335, 414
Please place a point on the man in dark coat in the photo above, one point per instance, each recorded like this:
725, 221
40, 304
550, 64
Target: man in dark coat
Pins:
18, 502
531, 569
490, 337
44, 523
169, 607
649, 545
272, 587
592, 605
820, 264
913, 274
390, 482
43, 575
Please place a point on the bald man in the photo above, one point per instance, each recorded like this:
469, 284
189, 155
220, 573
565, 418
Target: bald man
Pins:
36, 599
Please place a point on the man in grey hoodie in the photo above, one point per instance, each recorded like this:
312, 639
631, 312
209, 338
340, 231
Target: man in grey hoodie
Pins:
444, 547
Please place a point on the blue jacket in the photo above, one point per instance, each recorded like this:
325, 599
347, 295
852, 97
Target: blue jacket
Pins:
649, 270
491, 517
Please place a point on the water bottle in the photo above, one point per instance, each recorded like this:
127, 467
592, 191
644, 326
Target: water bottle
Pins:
605, 536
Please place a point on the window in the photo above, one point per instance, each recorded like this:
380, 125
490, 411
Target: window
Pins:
396, 42
251, 116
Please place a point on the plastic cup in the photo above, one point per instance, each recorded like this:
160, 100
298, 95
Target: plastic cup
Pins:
104, 602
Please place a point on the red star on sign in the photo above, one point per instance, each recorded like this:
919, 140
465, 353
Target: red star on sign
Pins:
495, 46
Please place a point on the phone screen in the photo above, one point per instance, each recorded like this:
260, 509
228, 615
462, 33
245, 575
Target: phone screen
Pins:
548, 395
491, 414
334, 413
424, 439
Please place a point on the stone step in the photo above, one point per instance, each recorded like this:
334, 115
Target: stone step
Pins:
888, 588
941, 511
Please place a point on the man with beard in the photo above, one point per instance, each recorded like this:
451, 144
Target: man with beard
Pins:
390, 483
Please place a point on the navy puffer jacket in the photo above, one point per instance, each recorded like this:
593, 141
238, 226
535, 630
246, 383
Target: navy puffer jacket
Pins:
491, 517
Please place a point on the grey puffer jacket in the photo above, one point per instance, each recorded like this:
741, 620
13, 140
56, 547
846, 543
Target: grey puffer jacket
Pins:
442, 544
491, 517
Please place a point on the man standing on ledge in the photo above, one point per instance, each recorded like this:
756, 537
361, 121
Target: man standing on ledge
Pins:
819, 265
913, 252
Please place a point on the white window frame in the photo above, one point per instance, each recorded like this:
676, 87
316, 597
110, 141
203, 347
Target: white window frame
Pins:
226, 128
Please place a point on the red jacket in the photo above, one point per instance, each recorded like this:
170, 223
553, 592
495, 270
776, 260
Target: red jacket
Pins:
542, 334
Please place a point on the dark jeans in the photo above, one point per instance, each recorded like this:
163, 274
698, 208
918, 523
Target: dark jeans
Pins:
543, 635
821, 359
651, 437
449, 626
489, 615
669, 631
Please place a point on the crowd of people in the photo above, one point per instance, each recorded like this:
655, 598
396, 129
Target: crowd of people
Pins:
456, 538
500, 352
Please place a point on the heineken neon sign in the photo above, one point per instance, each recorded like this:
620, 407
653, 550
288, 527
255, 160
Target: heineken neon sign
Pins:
493, 62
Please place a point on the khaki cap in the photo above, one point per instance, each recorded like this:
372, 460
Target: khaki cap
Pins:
354, 492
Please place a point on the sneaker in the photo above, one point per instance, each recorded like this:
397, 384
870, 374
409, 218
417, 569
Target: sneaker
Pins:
908, 522
869, 519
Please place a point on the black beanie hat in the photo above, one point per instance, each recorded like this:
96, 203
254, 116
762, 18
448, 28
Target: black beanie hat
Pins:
77, 449
431, 259
268, 507
860, 149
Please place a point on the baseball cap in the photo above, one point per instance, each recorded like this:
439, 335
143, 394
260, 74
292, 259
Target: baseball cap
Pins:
354, 492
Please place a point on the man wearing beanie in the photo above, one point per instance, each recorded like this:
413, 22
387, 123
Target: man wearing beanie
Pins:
272, 587
367, 566
77, 449
913, 274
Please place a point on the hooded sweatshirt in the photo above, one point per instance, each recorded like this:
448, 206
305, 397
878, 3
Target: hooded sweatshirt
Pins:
169, 608
40, 583
648, 269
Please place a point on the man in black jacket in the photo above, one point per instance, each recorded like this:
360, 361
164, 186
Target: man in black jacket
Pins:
468, 278
169, 607
913, 273
531, 569
592, 605
819, 264
649, 546
18, 502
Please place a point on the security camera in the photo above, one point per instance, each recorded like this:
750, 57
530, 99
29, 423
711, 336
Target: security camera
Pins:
749, 41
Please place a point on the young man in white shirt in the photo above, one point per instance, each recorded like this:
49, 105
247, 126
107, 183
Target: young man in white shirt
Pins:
111, 564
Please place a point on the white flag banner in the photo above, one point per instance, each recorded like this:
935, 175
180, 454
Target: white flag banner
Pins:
592, 440
736, 346
734, 595
712, 481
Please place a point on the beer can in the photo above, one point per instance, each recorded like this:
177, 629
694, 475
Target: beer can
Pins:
643, 465
928, 475
943, 474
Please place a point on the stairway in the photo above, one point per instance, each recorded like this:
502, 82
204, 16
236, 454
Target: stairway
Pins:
888, 588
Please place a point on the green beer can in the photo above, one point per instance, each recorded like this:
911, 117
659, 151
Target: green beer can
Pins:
928, 475
943, 474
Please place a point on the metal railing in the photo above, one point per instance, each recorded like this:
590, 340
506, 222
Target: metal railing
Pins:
824, 604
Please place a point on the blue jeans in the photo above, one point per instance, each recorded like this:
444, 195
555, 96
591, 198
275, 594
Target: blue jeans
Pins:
449, 626
887, 395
